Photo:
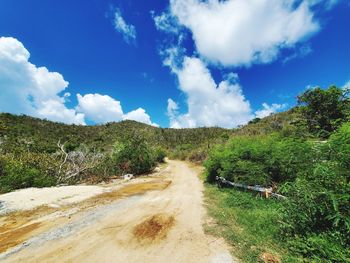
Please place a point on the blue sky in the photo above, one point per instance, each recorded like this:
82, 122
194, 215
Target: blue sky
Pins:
219, 62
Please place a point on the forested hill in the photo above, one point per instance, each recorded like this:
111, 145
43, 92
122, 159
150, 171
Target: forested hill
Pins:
39, 135
42, 135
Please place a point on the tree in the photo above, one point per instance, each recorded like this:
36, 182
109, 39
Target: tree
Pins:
325, 110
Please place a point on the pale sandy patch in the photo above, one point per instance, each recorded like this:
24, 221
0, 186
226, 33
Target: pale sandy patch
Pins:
31, 198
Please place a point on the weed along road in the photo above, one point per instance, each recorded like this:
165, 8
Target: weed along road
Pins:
157, 218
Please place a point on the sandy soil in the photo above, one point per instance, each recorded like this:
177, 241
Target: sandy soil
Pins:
156, 219
31, 198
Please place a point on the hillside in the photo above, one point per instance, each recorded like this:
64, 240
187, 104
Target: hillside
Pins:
42, 135
39, 135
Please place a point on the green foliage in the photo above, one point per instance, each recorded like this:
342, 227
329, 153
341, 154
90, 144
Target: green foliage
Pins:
339, 144
314, 220
259, 160
288, 157
160, 155
16, 174
324, 110
248, 223
134, 156
34, 142
24, 133
317, 210
320, 248
286, 122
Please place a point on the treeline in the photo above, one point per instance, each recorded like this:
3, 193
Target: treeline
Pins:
39, 153
308, 161
35, 135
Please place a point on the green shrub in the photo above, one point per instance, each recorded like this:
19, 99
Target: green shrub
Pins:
260, 160
315, 217
318, 205
320, 248
241, 160
289, 156
212, 165
160, 155
105, 169
339, 145
17, 175
133, 156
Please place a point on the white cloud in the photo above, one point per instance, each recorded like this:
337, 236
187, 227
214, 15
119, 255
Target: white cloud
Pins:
100, 108
230, 33
103, 108
166, 22
172, 109
28, 89
127, 30
267, 110
139, 115
242, 32
208, 104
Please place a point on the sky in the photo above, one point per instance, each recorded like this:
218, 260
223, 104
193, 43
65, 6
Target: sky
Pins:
168, 63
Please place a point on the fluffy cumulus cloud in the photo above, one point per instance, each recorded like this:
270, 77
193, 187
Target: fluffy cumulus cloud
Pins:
267, 110
103, 108
230, 33
244, 32
127, 30
209, 104
28, 89
139, 115
100, 108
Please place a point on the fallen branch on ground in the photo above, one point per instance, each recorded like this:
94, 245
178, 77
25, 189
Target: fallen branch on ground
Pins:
267, 192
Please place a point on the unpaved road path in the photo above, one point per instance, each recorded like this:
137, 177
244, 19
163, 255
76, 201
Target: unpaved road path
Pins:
157, 219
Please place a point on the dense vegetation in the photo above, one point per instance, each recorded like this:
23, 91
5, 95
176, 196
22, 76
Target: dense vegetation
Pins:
40, 153
312, 173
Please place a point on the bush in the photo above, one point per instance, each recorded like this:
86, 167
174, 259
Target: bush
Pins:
289, 156
160, 155
318, 206
133, 156
241, 160
260, 160
339, 145
315, 217
320, 197
106, 168
16, 175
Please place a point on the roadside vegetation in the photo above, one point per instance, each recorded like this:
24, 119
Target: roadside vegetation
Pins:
309, 163
248, 223
303, 154
40, 153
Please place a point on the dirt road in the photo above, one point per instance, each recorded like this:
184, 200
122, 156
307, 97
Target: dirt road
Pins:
157, 219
